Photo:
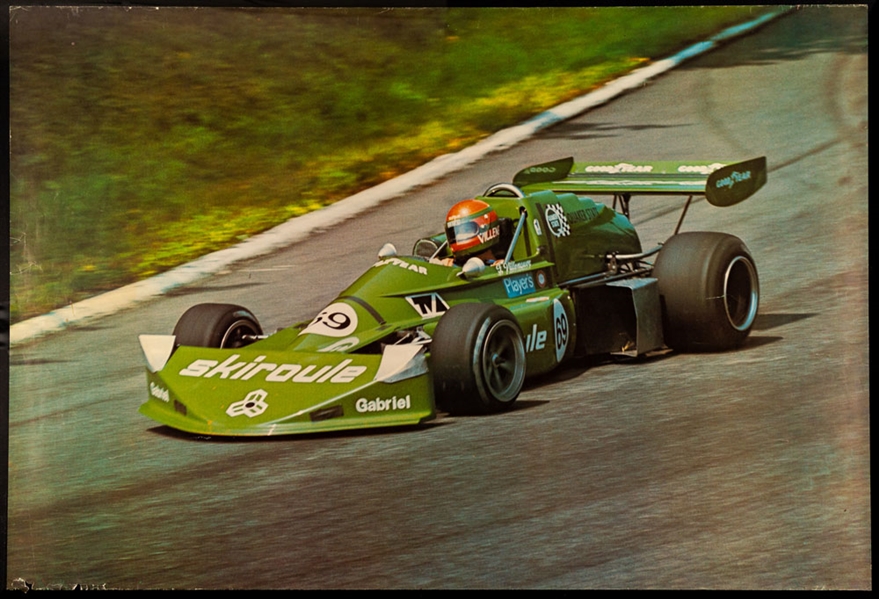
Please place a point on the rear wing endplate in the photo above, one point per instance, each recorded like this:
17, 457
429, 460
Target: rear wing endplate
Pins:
722, 184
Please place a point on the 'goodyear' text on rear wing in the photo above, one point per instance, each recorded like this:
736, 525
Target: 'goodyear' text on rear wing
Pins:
722, 183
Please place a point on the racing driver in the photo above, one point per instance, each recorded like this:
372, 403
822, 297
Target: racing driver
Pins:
473, 231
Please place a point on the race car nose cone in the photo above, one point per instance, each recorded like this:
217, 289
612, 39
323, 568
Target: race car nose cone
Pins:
156, 350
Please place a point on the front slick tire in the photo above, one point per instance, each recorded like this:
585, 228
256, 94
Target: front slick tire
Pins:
217, 325
478, 359
708, 289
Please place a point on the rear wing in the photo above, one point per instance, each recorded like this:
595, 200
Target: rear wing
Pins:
722, 184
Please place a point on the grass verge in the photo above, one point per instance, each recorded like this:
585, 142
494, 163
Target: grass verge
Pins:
144, 138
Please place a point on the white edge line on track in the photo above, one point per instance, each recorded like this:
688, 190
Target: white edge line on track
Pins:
300, 227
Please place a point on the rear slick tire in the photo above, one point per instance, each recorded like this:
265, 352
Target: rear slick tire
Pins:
478, 359
709, 291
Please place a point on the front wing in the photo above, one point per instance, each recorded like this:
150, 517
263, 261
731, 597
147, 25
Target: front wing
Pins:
253, 392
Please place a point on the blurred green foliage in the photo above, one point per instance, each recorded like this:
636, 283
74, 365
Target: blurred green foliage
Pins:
142, 138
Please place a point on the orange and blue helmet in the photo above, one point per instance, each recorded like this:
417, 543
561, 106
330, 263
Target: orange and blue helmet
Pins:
472, 227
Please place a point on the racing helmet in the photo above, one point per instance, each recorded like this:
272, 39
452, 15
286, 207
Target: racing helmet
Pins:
472, 227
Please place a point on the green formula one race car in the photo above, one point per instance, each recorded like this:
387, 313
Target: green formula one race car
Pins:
524, 278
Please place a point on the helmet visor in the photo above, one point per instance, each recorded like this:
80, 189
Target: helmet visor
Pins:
463, 232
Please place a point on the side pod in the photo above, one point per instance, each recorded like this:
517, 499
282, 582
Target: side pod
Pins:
622, 317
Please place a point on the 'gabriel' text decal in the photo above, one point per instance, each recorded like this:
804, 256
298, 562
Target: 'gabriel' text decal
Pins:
382, 405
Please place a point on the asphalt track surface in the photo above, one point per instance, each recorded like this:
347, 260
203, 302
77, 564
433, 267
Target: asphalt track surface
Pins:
739, 470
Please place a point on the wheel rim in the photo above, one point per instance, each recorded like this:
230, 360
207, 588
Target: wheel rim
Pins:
235, 335
502, 361
741, 293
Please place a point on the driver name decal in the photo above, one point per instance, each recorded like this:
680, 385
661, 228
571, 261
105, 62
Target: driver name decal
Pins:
509, 268
488, 235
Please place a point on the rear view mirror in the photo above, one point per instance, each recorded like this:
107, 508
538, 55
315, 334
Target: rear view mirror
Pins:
389, 250
472, 268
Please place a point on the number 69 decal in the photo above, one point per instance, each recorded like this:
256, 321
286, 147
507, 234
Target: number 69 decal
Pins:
336, 320
562, 331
